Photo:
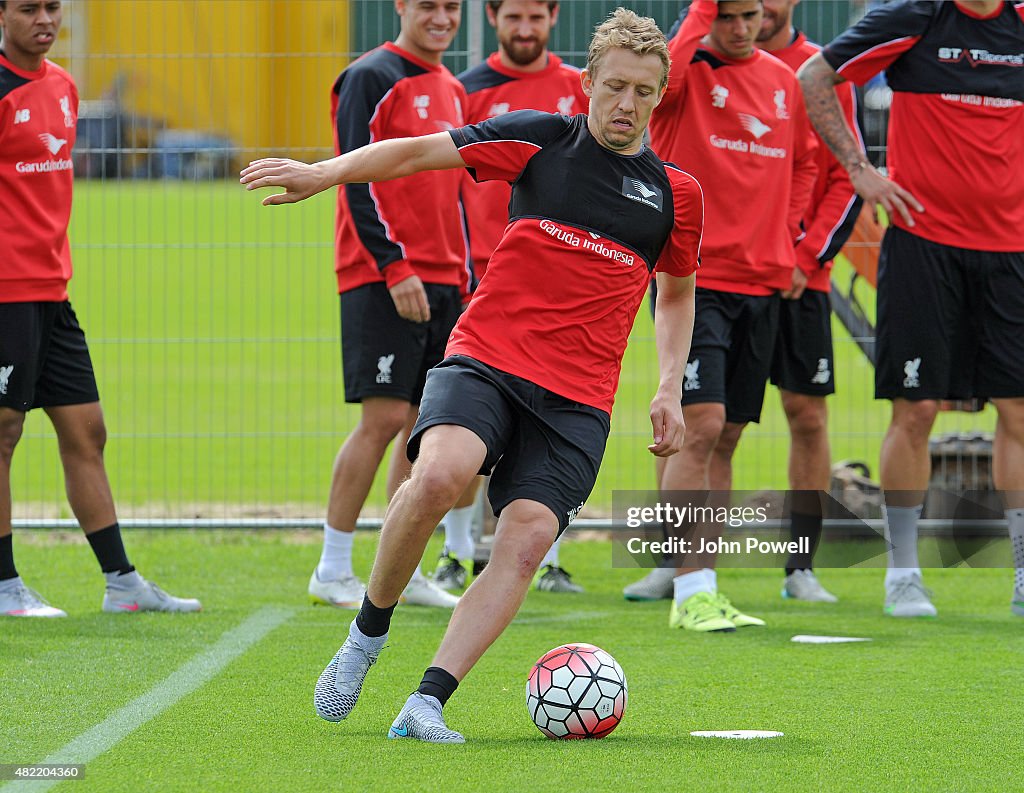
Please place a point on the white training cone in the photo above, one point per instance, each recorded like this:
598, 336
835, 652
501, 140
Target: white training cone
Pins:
804, 639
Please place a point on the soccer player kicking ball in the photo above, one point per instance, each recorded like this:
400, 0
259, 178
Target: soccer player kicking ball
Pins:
44, 359
533, 364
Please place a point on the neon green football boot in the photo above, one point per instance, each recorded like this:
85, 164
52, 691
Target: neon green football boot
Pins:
701, 613
734, 615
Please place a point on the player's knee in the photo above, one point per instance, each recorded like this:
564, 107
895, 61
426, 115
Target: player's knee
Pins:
437, 485
808, 419
728, 440
915, 418
525, 533
382, 427
12, 424
1011, 418
704, 434
530, 546
86, 443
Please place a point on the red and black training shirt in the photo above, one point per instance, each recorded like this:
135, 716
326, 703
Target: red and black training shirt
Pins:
389, 231
587, 227
38, 114
956, 125
740, 127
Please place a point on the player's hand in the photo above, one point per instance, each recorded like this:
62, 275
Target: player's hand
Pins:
411, 299
876, 189
299, 179
799, 285
667, 424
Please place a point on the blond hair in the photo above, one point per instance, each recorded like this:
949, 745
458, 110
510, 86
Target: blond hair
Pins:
629, 30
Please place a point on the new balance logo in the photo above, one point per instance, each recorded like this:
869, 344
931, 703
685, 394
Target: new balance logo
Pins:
53, 143
754, 125
421, 103
498, 109
636, 190
566, 105
718, 96
911, 373
5, 376
21, 116
384, 368
692, 381
572, 513
824, 374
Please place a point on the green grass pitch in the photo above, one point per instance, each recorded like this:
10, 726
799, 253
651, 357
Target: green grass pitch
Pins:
213, 322
927, 705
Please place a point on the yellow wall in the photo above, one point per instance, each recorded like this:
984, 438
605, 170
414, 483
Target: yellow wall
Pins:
257, 71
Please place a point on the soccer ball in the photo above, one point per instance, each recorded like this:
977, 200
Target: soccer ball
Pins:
576, 691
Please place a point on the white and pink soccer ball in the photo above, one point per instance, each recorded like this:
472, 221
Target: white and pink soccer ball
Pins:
576, 691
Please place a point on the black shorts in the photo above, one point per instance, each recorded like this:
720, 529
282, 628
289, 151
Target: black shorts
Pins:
383, 355
44, 360
950, 321
731, 352
803, 361
540, 446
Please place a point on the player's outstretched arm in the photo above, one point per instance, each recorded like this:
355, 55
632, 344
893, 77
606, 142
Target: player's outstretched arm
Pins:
818, 80
673, 328
378, 162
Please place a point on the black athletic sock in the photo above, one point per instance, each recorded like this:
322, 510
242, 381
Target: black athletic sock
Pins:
109, 549
7, 570
373, 621
803, 525
438, 683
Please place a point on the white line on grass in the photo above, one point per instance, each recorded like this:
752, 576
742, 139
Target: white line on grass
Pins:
194, 674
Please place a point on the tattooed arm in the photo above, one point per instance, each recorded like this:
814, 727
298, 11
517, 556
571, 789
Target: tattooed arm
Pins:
818, 80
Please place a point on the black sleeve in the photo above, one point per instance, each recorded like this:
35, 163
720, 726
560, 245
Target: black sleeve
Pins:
361, 93
500, 147
880, 37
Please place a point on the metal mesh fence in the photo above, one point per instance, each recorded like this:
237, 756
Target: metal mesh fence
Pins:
213, 322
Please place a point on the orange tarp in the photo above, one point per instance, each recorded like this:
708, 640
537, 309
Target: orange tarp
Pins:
863, 246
